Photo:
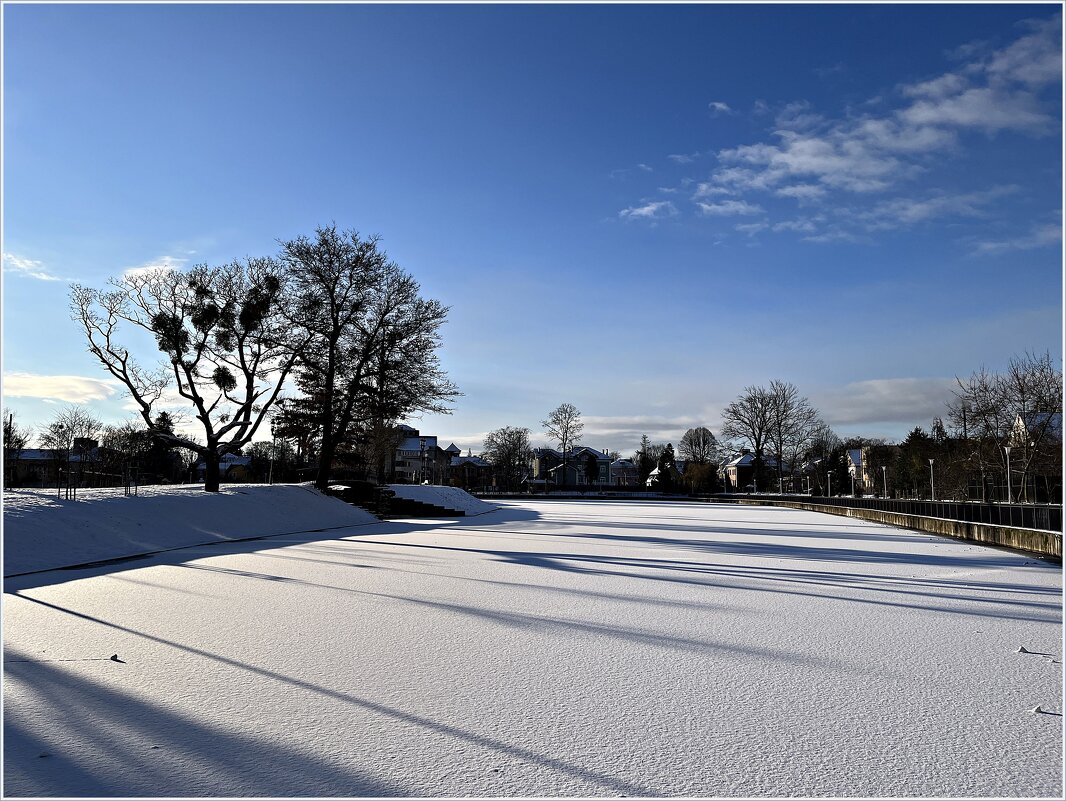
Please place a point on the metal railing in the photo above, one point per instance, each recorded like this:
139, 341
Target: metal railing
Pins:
1044, 517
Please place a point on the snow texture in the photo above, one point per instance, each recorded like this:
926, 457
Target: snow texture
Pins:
42, 531
549, 648
448, 497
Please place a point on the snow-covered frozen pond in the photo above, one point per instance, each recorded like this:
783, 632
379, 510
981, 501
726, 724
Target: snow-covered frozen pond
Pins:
545, 649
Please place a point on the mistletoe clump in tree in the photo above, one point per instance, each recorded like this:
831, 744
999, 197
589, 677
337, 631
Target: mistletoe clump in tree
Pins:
224, 334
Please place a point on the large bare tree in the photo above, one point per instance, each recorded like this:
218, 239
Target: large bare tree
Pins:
564, 426
792, 425
749, 419
227, 345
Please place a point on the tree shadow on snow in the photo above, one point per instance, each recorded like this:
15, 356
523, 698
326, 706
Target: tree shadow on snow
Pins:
220, 752
113, 744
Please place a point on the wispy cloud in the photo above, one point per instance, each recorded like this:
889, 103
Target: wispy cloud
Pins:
751, 228
1039, 236
904, 211
649, 211
28, 268
164, 262
912, 401
729, 207
69, 388
871, 161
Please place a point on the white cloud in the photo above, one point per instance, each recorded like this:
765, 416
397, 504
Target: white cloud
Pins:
649, 211
948, 84
913, 401
1039, 236
751, 228
163, 262
645, 168
1035, 59
718, 107
986, 108
706, 189
683, 158
909, 211
69, 388
802, 225
802, 192
604, 431
729, 207
28, 268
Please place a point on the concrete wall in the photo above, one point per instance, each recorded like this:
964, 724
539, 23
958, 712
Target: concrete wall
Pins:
1045, 543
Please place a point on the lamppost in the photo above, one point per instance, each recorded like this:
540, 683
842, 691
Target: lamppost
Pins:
422, 457
932, 489
852, 485
829, 485
1009, 495
884, 478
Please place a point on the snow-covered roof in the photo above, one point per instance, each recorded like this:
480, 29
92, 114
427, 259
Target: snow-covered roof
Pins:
623, 464
540, 453
415, 444
476, 461
855, 455
582, 450
453, 448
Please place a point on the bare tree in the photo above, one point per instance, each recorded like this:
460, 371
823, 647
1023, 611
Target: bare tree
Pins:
791, 425
749, 419
16, 438
227, 346
987, 406
698, 445
67, 435
508, 450
564, 426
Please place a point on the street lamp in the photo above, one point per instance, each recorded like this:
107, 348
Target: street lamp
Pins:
422, 462
932, 489
1009, 496
884, 478
829, 485
852, 485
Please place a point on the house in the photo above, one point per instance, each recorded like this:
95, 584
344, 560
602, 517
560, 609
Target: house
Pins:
623, 473
418, 458
855, 467
580, 457
738, 473
231, 468
547, 467
469, 472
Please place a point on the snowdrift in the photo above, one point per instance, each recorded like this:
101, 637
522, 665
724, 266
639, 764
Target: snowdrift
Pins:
449, 497
42, 531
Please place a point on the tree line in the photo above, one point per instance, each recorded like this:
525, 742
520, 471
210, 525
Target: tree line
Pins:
330, 311
794, 449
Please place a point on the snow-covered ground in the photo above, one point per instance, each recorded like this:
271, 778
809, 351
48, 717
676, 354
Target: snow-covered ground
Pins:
42, 531
549, 648
449, 497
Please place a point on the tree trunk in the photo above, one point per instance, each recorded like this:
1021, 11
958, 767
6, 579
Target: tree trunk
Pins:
211, 472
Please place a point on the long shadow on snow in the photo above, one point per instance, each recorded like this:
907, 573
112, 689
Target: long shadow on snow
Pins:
178, 556
593, 777
116, 745
598, 564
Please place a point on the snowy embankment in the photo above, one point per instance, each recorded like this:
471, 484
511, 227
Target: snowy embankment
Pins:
43, 532
449, 497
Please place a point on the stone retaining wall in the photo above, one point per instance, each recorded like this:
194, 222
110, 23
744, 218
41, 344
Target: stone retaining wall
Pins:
1045, 543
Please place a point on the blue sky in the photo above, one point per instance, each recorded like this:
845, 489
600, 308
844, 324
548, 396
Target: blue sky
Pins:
639, 210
